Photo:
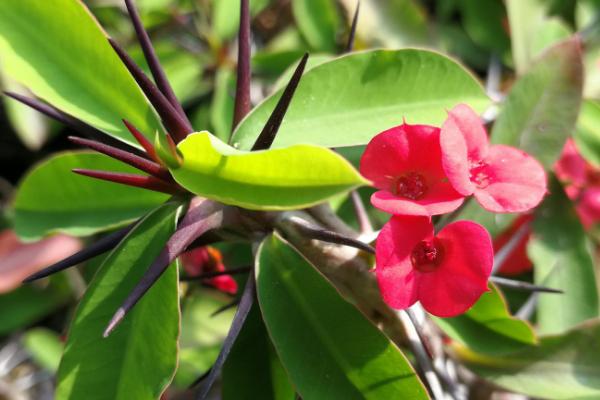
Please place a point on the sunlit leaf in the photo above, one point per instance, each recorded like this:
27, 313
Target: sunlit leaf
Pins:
58, 50
318, 22
345, 102
288, 178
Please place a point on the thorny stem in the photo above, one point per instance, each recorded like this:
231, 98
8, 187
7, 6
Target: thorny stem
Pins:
141, 181
153, 62
364, 223
352, 34
244, 72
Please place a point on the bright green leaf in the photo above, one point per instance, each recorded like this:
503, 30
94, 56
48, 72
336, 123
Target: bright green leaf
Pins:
44, 346
561, 367
223, 103
318, 22
138, 360
542, 107
51, 198
57, 49
294, 177
267, 379
488, 327
311, 325
562, 259
345, 102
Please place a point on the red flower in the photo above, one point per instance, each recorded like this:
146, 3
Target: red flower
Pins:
405, 164
447, 273
582, 183
208, 259
516, 261
502, 178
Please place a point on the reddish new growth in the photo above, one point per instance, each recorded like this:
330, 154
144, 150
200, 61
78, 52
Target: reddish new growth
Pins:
405, 164
446, 272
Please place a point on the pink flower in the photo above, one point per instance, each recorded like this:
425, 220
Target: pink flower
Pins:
208, 259
447, 273
582, 183
502, 178
405, 163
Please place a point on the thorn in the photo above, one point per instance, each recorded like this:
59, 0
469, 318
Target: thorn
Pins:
141, 181
244, 308
267, 136
115, 320
329, 236
224, 308
101, 246
151, 58
200, 218
244, 72
520, 285
142, 140
174, 123
140, 163
350, 44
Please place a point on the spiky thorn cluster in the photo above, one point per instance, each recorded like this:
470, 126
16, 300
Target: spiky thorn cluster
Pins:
203, 217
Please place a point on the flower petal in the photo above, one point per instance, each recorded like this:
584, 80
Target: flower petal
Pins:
462, 276
440, 199
463, 141
588, 207
516, 181
395, 274
571, 167
399, 150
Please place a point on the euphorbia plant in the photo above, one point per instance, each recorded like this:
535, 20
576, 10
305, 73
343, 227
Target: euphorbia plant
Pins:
269, 184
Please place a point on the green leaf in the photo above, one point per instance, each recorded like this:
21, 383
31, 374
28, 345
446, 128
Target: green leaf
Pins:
345, 102
524, 17
587, 134
30, 303
542, 107
483, 21
318, 22
44, 346
488, 327
560, 367
58, 50
138, 360
311, 325
223, 103
562, 259
294, 177
267, 379
51, 198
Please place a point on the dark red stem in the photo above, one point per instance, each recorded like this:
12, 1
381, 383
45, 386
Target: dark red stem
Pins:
141, 181
244, 72
175, 124
143, 141
151, 58
143, 164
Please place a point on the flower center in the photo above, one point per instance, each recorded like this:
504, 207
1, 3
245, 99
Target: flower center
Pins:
412, 186
427, 255
479, 174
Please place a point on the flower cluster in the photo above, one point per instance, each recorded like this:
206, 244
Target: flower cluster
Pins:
582, 183
422, 171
